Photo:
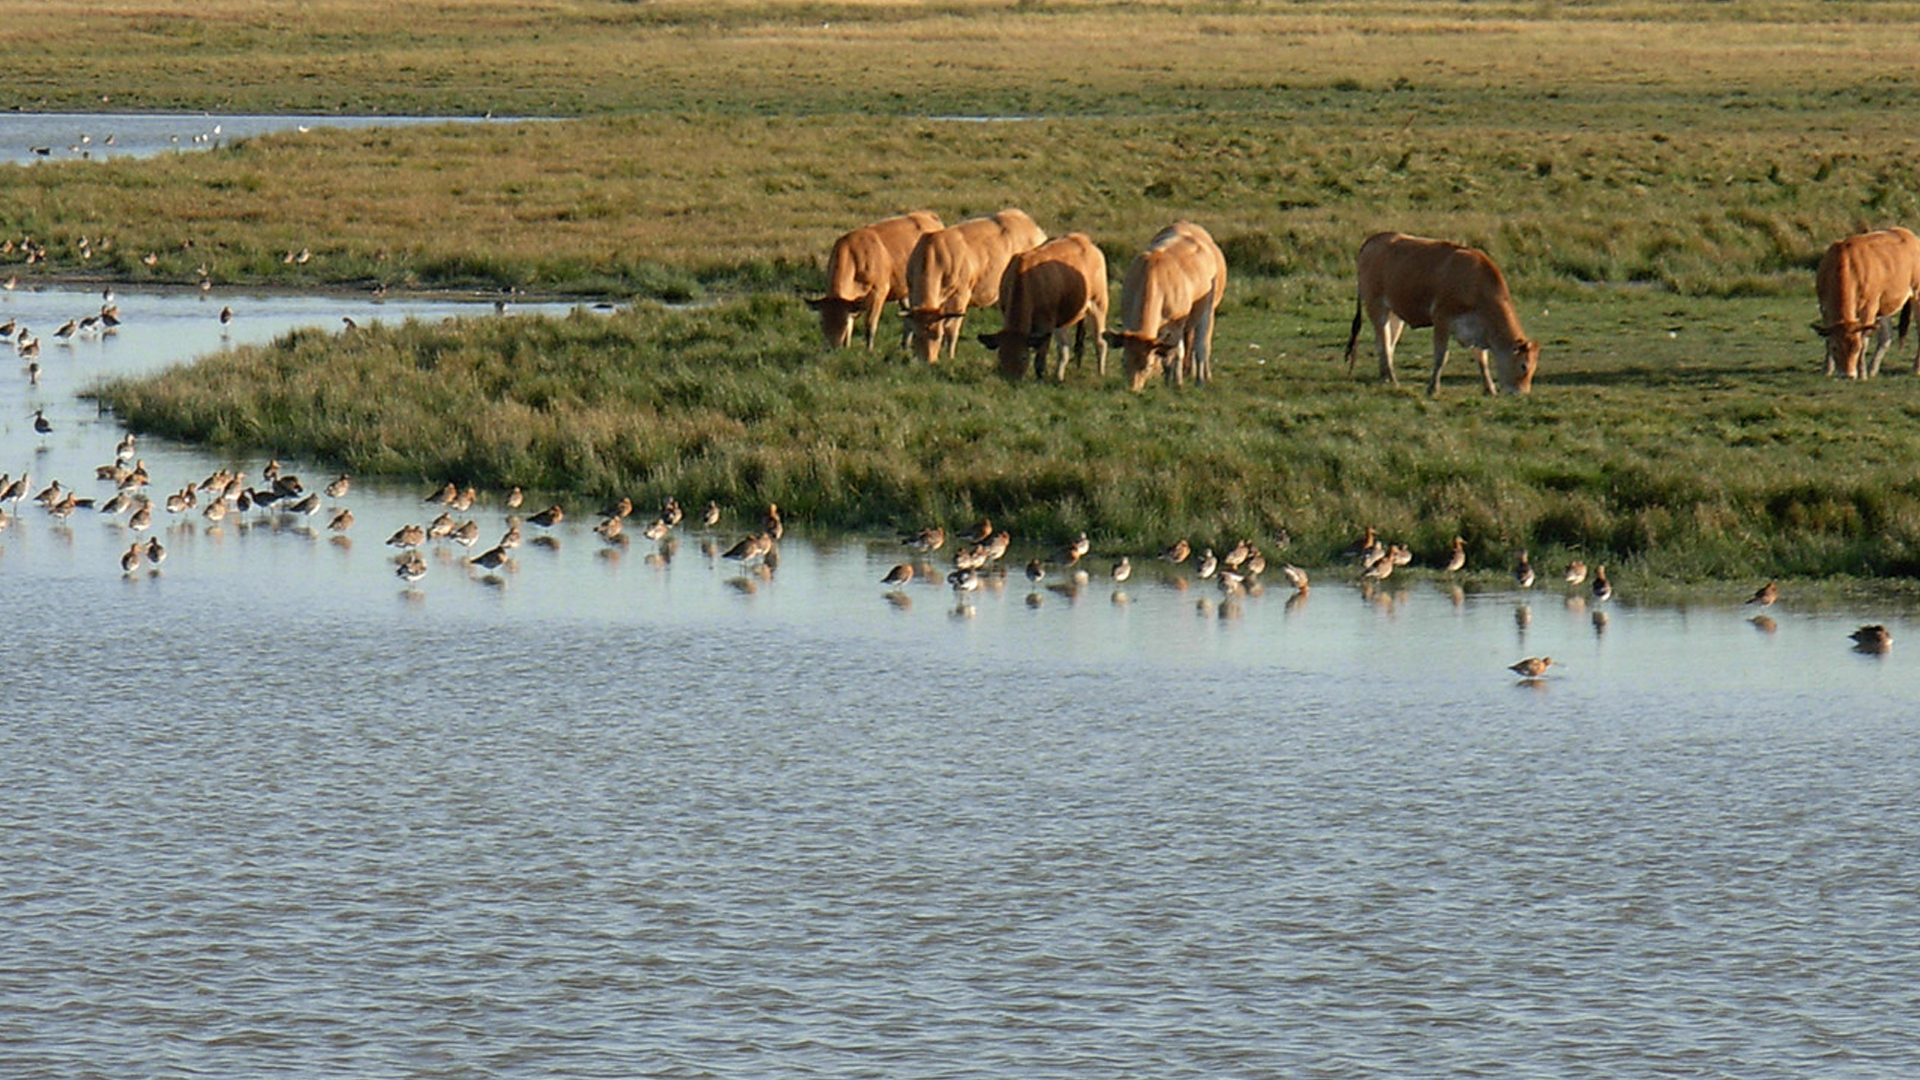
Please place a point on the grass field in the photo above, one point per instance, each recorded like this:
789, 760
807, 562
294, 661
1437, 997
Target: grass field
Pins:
1657, 179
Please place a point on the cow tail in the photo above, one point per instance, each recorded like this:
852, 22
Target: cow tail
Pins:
1353, 335
1906, 316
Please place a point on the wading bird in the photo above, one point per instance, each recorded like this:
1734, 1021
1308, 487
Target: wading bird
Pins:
1532, 667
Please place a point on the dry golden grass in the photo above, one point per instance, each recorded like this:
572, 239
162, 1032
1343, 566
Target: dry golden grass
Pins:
1075, 56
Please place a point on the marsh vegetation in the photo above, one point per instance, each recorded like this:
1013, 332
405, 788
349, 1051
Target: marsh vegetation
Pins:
1657, 181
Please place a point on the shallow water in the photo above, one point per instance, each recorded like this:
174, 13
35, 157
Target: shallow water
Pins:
642, 812
100, 136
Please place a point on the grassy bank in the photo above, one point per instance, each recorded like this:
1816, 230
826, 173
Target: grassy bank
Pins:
1676, 437
1657, 179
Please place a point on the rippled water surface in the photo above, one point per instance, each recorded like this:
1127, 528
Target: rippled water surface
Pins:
639, 811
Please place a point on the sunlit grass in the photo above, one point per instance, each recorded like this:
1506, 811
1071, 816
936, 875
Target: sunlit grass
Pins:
1678, 455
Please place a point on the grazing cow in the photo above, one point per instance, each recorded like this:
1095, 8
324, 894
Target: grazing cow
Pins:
1863, 281
867, 268
1167, 304
1056, 287
958, 268
1409, 281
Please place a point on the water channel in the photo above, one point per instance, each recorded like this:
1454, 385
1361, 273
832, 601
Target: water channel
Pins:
26, 138
268, 810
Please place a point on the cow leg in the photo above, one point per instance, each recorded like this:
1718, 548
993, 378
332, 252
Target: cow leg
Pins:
1486, 376
950, 334
1442, 338
1882, 341
1200, 335
876, 306
1100, 340
1387, 331
1059, 342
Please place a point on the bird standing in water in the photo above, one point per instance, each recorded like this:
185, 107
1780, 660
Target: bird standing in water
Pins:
1602, 588
1765, 595
1872, 639
412, 568
1532, 667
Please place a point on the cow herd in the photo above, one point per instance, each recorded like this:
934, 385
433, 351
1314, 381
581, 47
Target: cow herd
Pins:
1043, 288
1047, 287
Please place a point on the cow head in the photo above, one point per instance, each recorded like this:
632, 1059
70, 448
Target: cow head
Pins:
929, 328
836, 319
1516, 373
1013, 348
1845, 342
1143, 356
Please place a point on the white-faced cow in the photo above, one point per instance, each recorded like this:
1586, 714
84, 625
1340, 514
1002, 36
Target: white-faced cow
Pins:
867, 268
1410, 281
957, 268
1862, 283
1059, 286
1167, 305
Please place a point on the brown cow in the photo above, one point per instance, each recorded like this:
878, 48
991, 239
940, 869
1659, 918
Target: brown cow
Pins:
1167, 304
1863, 281
867, 268
1059, 286
959, 268
1410, 281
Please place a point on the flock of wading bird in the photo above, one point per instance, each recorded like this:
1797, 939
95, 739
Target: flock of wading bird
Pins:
228, 495
978, 552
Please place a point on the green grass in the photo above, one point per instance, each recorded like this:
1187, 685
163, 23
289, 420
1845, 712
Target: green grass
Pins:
1713, 452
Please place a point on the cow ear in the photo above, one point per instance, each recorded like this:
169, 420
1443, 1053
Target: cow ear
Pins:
816, 302
991, 341
1115, 337
1822, 330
